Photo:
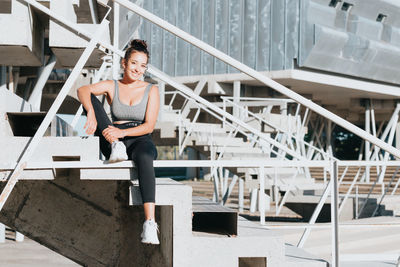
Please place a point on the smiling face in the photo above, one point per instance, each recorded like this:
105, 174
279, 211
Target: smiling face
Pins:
135, 67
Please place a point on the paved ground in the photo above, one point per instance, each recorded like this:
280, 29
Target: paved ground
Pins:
30, 253
363, 242
353, 241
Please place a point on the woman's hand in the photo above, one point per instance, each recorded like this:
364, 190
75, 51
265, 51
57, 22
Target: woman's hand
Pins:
91, 123
112, 133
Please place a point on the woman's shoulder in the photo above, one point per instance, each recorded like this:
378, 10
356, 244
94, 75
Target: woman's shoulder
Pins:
106, 83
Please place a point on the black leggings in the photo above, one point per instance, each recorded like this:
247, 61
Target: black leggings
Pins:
140, 149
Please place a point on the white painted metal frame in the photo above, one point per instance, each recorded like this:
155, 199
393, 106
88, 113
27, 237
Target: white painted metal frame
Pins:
240, 106
221, 115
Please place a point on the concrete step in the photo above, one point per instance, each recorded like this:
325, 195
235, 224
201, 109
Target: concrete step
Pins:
300, 258
68, 46
19, 31
220, 141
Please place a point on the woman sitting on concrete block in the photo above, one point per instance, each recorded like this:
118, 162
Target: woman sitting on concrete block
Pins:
134, 110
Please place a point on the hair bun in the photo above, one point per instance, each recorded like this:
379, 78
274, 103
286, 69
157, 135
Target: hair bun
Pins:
138, 44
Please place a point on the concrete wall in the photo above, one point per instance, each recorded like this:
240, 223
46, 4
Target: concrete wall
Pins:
89, 222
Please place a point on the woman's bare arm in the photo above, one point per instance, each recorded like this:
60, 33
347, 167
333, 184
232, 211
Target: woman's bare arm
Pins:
100, 88
150, 120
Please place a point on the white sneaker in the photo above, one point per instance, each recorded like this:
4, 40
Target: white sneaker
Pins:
118, 152
149, 234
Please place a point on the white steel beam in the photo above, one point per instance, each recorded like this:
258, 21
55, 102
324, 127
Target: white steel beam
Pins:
116, 57
386, 154
315, 215
367, 144
335, 214
36, 96
93, 11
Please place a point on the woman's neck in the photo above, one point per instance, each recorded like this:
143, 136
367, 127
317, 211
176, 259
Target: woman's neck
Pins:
126, 80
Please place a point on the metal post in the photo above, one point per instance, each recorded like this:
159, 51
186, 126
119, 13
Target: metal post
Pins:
161, 90
2, 233
19, 237
32, 145
3, 79
36, 96
93, 11
367, 144
373, 125
385, 133
116, 58
253, 200
328, 138
349, 190
236, 97
230, 189
386, 154
241, 195
335, 214
261, 198
356, 209
315, 215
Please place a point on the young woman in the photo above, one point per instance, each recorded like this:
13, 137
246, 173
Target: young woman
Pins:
134, 109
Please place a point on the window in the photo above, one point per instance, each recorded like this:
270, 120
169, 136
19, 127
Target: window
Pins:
381, 18
346, 6
334, 3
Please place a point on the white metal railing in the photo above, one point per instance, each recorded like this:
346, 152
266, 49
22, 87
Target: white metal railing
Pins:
242, 127
290, 134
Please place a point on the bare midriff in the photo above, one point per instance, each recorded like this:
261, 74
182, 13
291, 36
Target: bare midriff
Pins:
121, 122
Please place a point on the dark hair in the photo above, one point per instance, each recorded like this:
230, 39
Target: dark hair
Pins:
136, 45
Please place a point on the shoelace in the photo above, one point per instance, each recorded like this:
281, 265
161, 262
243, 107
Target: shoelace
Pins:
114, 144
156, 225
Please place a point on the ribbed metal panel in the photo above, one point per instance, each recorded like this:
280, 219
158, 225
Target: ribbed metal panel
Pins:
195, 29
207, 35
264, 35
349, 38
182, 47
169, 40
221, 33
235, 31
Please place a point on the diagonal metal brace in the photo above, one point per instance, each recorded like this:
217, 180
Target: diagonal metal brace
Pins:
34, 142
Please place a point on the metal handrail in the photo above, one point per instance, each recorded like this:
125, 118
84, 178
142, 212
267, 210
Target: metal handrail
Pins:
216, 115
276, 127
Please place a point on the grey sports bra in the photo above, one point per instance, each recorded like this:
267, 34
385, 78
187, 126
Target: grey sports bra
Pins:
123, 112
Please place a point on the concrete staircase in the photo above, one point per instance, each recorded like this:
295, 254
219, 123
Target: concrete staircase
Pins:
98, 222
363, 188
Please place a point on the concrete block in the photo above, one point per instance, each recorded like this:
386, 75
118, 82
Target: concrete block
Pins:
49, 149
67, 45
22, 34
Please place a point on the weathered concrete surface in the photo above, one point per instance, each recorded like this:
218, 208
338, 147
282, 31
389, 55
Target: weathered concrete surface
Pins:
29, 253
89, 222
